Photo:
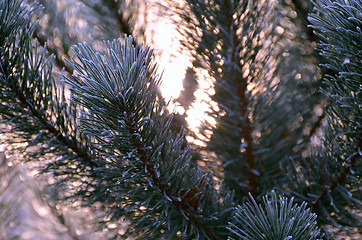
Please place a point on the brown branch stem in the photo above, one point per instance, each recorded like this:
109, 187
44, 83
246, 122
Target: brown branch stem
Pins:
159, 183
241, 86
341, 177
47, 125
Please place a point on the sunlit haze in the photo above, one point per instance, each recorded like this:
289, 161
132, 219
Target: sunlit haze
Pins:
172, 66
172, 63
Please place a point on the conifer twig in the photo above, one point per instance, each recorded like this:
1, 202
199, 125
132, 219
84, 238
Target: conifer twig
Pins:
161, 185
341, 176
120, 90
48, 125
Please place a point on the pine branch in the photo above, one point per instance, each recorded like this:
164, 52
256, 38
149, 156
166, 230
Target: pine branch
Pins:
120, 91
46, 124
328, 179
38, 112
151, 169
225, 39
33, 105
276, 218
341, 177
342, 87
241, 86
25, 79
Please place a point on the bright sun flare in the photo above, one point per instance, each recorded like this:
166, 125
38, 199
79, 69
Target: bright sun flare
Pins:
172, 65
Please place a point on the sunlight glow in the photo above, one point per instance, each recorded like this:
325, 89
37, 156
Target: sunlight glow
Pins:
171, 62
172, 65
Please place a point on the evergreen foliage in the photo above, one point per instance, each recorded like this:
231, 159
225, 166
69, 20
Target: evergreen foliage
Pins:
34, 109
334, 186
147, 173
280, 220
105, 134
262, 112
